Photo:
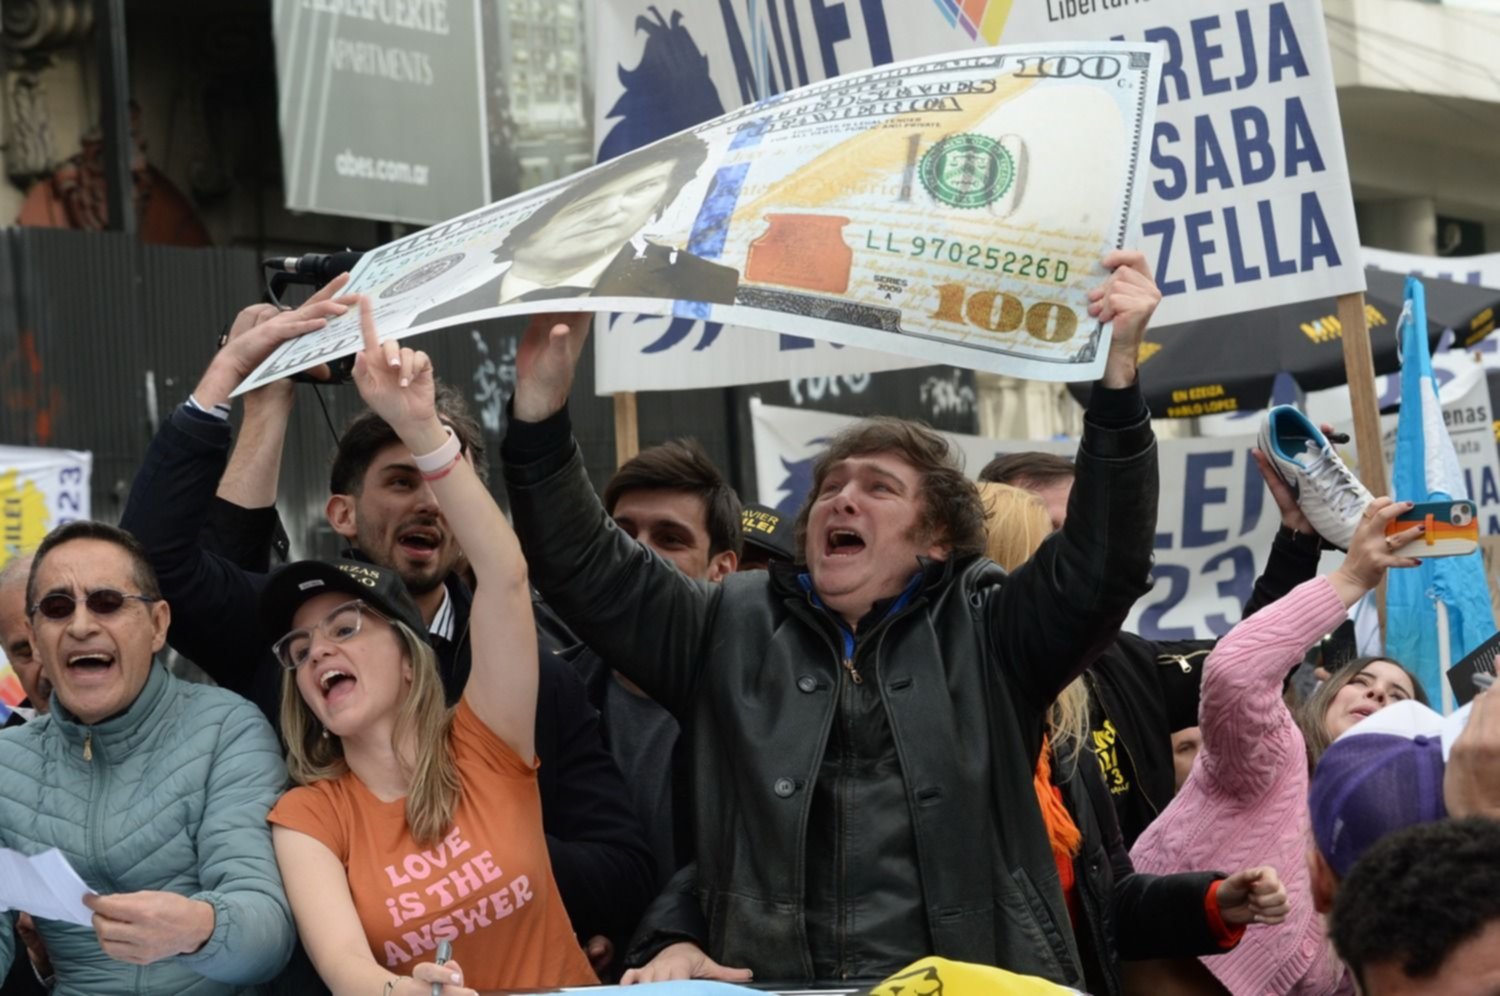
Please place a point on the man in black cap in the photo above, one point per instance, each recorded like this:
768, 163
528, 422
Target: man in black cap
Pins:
769, 538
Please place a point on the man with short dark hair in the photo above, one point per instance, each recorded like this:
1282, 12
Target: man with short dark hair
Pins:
864, 725
1046, 475
1420, 912
385, 510
155, 790
673, 501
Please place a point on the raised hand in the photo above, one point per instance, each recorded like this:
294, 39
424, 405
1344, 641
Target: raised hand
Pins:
1254, 895
684, 960
546, 363
256, 333
1291, 513
1128, 298
396, 382
1372, 552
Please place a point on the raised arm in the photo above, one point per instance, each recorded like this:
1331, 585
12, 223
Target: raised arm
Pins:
254, 469
242, 524
630, 606
1061, 608
214, 623
1242, 711
397, 383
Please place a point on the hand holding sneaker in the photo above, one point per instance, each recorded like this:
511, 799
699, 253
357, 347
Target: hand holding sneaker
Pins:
1326, 490
1292, 516
1371, 551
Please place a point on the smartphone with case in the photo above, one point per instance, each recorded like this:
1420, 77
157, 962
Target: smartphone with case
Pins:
1452, 528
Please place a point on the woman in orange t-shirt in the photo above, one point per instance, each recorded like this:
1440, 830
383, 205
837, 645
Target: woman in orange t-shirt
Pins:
415, 824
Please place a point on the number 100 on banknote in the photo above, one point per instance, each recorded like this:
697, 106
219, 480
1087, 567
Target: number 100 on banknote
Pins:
952, 209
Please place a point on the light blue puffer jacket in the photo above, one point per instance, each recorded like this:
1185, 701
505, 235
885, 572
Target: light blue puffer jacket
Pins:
173, 799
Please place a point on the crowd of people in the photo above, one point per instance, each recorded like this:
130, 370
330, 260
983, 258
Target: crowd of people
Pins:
662, 735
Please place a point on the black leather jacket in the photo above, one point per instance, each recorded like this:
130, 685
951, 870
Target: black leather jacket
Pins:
964, 671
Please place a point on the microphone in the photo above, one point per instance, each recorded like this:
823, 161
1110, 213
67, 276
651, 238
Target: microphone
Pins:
318, 266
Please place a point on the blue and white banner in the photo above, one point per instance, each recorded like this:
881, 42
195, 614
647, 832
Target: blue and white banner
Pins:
1215, 520
1438, 612
40, 489
1248, 201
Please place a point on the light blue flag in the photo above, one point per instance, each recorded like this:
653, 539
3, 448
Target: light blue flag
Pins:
1427, 470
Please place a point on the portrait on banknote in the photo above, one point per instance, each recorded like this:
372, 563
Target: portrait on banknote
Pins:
953, 209
588, 239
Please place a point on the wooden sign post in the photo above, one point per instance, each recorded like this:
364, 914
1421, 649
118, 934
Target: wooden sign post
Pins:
627, 429
1359, 367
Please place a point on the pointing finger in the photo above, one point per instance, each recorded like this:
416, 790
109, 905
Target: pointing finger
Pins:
367, 330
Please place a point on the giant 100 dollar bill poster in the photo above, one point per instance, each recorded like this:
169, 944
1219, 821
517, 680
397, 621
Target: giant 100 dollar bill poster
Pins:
950, 209
1247, 203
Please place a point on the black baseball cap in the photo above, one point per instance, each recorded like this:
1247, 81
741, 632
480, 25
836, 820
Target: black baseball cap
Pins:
379, 587
768, 531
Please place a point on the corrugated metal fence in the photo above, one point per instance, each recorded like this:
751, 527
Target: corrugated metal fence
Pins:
101, 336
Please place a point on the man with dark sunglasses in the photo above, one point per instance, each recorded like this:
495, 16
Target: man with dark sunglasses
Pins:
154, 789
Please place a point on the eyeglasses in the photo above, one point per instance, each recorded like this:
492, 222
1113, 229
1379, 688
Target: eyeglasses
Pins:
340, 624
100, 602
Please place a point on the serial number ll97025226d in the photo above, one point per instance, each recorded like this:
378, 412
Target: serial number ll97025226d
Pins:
958, 252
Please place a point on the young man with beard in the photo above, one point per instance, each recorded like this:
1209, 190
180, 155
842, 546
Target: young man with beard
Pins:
381, 506
865, 726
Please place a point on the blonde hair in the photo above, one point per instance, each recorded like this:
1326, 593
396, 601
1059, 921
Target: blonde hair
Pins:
424, 720
1015, 523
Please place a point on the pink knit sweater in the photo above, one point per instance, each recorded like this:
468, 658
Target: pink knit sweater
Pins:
1245, 802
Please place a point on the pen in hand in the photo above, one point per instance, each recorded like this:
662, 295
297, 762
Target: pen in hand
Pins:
444, 952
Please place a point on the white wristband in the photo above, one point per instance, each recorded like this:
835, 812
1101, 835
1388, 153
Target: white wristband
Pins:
441, 457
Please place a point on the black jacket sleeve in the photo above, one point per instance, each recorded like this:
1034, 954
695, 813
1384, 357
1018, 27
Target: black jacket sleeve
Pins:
249, 537
630, 606
1179, 664
1061, 608
605, 872
215, 622
1293, 560
1155, 916
673, 917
